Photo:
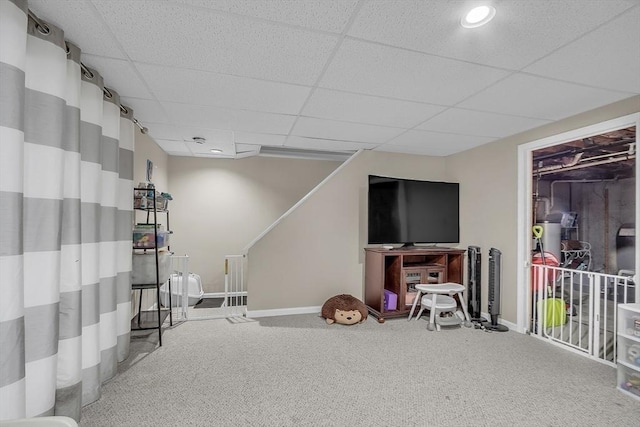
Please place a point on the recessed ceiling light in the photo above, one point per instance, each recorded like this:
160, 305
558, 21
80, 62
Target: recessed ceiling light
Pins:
478, 16
216, 150
198, 140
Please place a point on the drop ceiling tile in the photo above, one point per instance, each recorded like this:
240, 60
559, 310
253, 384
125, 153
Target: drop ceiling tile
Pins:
167, 132
249, 65
166, 33
145, 110
326, 144
324, 15
236, 120
173, 147
227, 147
119, 75
182, 136
420, 151
223, 90
436, 143
595, 59
84, 27
186, 134
260, 138
468, 122
330, 104
396, 73
521, 31
541, 98
343, 131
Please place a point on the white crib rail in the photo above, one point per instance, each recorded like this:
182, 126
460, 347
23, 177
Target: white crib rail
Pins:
180, 275
235, 293
590, 326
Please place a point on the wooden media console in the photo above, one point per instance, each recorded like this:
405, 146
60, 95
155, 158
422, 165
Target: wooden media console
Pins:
398, 271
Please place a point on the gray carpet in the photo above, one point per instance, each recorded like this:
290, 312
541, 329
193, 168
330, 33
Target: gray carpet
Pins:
299, 371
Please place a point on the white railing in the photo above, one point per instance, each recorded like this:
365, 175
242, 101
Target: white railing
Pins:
179, 281
578, 308
235, 293
230, 304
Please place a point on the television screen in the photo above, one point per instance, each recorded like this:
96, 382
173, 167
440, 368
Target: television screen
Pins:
409, 211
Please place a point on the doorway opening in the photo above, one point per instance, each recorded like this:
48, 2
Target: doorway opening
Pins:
581, 188
584, 199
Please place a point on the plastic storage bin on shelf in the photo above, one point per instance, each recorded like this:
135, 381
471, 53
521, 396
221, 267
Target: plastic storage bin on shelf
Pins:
629, 381
628, 359
162, 203
144, 268
629, 351
143, 199
145, 238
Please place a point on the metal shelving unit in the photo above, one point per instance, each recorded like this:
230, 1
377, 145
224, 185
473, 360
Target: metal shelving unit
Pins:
151, 319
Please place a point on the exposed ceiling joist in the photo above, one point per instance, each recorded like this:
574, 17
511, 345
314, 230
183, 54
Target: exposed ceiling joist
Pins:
607, 156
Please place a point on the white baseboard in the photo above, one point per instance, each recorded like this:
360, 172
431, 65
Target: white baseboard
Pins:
501, 321
222, 294
283, 311
316, 309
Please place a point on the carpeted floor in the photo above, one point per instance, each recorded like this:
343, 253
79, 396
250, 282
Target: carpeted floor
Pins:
299, 371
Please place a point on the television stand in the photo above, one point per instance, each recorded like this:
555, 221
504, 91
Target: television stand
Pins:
398, 270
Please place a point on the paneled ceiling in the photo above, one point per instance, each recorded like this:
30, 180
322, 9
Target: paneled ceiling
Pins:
328, 77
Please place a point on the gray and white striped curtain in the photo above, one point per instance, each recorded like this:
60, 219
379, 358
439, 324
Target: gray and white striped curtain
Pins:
66, 184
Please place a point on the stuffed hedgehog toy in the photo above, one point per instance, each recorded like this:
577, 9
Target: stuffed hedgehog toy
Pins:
344, 309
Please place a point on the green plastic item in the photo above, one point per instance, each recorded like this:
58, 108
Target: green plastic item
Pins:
552, 311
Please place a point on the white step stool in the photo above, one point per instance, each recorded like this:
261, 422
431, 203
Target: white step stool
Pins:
442, 294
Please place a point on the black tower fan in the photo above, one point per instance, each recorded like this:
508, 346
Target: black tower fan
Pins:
474, 272
495, 257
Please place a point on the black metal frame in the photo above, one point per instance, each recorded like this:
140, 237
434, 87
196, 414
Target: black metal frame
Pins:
138, 320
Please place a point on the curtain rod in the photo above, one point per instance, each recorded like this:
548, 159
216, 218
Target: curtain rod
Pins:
44, 29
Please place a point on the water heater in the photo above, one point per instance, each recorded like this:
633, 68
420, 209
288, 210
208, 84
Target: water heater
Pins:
551, 232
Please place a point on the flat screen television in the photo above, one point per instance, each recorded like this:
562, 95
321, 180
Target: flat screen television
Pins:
410, 211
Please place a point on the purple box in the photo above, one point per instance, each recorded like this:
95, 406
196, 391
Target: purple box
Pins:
390, 300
